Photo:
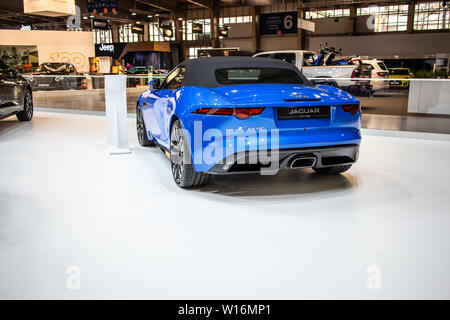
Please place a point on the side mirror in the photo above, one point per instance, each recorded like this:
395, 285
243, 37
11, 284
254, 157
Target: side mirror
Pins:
154, 84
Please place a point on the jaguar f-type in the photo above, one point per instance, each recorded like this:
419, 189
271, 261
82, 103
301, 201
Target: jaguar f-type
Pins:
234, 115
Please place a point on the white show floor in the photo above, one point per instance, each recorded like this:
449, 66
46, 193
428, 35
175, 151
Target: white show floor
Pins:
65, 201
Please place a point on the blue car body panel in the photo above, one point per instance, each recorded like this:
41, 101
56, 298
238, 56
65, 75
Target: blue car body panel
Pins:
159, 108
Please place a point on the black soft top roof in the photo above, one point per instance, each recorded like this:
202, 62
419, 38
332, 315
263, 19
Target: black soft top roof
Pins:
201, 72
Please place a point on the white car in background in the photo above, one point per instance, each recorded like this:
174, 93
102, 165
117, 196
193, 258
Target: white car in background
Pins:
341, 75
379, 71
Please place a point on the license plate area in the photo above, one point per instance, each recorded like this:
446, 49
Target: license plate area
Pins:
305, 112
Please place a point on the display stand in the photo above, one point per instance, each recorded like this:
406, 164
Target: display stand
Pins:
116, 113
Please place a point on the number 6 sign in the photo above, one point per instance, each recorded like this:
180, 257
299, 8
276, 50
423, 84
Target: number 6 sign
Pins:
278, 23
288, 22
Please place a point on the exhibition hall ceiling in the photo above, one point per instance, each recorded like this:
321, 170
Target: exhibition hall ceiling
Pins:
129, 11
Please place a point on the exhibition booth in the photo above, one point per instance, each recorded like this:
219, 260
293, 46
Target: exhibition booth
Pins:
222, 149
29, 50
49, 46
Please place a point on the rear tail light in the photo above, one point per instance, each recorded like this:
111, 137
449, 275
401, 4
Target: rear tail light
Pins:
352, 108
355, 73
381, 74
240, 113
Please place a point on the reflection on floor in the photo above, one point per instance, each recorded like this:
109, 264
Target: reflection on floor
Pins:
390, 102
430, 124
88, 100
379, 231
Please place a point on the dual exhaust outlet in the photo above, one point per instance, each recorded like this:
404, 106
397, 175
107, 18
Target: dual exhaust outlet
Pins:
302, 162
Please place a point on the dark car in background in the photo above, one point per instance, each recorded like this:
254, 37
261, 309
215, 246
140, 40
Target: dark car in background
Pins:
15, 94
140, 72
56, 76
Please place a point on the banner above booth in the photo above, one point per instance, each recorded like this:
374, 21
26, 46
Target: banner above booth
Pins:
99, 24
118, 49
50, 8
113, 50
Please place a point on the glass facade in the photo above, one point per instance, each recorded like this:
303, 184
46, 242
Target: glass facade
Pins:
431, 16
387, 18
192, 52
103, 36
125, 34
187, 28
231, 20
333, 13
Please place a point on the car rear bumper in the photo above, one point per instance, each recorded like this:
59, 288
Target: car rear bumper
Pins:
255, 162
216, 139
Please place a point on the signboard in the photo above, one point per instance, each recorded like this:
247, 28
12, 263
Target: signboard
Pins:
50, 8
278, 23
137, 28
99, 24
113, 50
166, 27
197, 27
223, 32
306, 25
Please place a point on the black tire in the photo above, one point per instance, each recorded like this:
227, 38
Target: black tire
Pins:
27, 113
333, 170
141, 130
183, 171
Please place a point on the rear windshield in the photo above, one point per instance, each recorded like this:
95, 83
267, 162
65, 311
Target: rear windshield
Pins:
382, 65
256, 75
286, 57
401, 72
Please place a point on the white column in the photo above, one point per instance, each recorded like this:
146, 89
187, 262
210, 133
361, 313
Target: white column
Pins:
116, 113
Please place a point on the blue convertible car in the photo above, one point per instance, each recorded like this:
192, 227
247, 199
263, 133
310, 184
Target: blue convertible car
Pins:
228, 115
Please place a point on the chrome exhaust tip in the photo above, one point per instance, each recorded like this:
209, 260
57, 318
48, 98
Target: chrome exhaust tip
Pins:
302, 162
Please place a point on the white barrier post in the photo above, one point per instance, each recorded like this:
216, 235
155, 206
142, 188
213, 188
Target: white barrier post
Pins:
429, 96
116, 113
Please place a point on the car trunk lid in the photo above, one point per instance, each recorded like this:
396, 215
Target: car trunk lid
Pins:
273, 95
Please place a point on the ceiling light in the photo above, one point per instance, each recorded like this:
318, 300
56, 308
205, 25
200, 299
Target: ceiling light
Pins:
91, 16
138, 22
149, 16
157, 15
85, 17
133, 13
180, 18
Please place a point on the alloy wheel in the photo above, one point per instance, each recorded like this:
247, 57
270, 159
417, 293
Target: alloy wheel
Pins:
28, 105
140, 126
177, 153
